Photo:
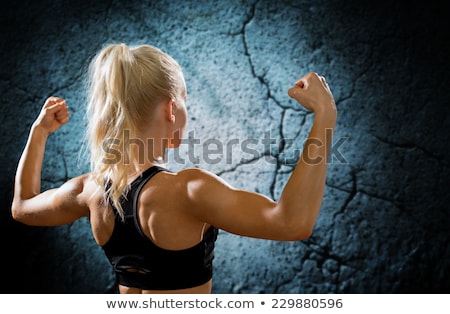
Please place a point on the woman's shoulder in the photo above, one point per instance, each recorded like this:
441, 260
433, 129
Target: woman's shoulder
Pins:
85, 188
190, 176
83, 182
194, 181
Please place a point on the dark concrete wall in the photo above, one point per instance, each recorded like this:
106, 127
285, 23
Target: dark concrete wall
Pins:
384, 223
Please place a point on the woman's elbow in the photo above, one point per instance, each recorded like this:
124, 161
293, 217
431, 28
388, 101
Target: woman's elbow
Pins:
17, 212
299, 232
297, 228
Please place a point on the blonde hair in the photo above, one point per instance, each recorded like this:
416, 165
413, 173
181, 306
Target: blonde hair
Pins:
124, 85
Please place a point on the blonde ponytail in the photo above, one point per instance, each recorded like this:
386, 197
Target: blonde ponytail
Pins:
125, 83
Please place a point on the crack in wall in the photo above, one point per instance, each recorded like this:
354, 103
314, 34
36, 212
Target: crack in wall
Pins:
326, 253
320, 254
395, 202
269, 96
352, 192
243, 163
413, 146
278, 164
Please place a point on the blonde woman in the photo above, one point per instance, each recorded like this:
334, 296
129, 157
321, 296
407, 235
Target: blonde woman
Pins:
158, 227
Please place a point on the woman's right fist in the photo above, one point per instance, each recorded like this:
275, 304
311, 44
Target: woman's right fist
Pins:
313, 93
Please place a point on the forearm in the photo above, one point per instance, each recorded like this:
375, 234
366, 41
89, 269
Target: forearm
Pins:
28, 175
302, 196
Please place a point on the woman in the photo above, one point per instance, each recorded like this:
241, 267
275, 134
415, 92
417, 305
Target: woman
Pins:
158, 227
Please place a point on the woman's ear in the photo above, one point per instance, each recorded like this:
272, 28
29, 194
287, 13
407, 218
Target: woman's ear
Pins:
169, 108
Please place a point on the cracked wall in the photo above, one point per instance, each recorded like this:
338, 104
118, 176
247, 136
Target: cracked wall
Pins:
383, 226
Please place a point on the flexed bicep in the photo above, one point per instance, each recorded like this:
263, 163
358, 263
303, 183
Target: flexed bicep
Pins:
30, 205
237, 211
53, 207
294, 215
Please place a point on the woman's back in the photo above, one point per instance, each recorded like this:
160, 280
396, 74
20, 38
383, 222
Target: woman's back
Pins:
159, 236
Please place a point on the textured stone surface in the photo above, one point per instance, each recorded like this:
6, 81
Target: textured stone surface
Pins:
384, 223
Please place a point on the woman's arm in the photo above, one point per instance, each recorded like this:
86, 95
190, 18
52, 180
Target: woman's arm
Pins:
52, 207
294, 215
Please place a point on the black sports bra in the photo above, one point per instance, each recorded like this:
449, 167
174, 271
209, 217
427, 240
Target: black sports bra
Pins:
139, 263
